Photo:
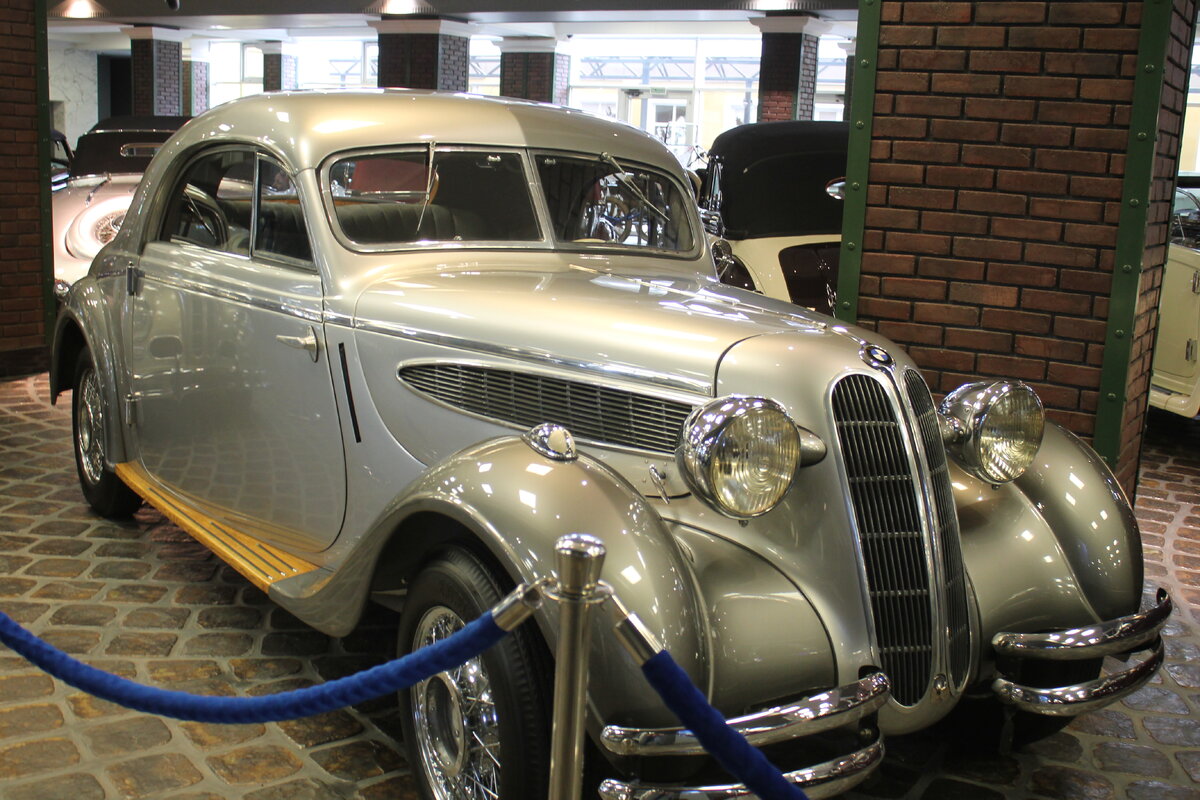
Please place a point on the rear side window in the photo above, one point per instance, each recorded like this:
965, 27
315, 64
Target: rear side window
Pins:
211, 205
432, 195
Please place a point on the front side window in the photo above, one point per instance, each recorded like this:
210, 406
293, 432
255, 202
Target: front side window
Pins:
599, 200
279, 229
399, 198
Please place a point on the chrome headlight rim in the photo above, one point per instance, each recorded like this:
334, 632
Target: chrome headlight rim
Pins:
703, 431
967, 411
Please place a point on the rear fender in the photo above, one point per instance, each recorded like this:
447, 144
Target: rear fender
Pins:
83, 322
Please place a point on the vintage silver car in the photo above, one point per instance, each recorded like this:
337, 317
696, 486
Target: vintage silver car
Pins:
92, 196
342, 340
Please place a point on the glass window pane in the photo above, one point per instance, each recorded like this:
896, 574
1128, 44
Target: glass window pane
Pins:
592, 202
281, 231
211, 205
467, 196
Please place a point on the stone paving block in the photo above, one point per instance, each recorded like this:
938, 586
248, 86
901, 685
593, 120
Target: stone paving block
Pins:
25, 720
255, 764
36, 757
134, 735
153, 776
74, 786
210, 735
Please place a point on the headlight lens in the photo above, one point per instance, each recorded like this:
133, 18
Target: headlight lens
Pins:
740, 454
998, 428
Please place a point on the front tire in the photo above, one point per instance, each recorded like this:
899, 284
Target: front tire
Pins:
101, 487
480, 731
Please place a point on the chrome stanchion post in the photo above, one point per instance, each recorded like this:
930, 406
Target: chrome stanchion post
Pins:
579, 559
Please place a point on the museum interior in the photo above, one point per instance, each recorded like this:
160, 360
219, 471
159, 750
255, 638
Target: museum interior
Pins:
638, 399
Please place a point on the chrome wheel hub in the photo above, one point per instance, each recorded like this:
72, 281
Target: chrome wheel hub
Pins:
454, 716
89, 427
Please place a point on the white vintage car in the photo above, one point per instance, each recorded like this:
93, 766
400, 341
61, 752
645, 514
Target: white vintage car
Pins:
91, 198
390, 346
1175, 381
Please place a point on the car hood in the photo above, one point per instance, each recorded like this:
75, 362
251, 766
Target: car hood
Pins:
661, 329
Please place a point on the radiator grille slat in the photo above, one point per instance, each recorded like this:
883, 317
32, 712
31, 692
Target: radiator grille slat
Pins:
590, 412
887, 512
957, 614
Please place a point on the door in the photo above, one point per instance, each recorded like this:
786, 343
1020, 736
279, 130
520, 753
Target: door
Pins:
234, 402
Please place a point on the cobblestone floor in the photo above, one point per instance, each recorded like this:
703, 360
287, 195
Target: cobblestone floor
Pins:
142, 600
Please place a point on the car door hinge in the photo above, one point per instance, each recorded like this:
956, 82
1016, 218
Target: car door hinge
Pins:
1189, 350
1196, 283
132, 274
131, 400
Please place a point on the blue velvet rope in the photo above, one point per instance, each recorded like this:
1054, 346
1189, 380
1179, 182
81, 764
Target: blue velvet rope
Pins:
374, 682
723, 743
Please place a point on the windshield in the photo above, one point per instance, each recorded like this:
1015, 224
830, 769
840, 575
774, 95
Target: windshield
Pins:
432, 194
600, 201
116, 152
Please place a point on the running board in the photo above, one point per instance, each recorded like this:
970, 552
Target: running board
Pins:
259, 563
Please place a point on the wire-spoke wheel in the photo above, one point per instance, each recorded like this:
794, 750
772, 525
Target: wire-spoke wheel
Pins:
101, 487
479, 731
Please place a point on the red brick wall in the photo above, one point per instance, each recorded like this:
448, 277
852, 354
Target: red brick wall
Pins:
787, 76
424, 61
157, 76
997, 161
22, 332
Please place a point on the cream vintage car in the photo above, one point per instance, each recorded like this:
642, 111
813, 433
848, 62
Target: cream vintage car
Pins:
91, 197
339, 338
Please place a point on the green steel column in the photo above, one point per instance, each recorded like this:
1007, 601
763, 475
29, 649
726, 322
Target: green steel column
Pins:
42, 77
1131, 228
858, 157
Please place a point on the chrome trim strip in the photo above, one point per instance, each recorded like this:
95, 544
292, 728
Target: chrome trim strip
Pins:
813, 714
1068, 701
607, 369
1102, 639
290, 309
819, 781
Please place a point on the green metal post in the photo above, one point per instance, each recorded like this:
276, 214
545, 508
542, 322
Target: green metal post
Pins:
1131, 228
858, 157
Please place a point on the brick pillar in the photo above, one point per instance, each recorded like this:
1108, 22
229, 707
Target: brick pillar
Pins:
787, 75
279, 68
423, 53
998, 200
195, 87
534, 69
157, 71
22, 327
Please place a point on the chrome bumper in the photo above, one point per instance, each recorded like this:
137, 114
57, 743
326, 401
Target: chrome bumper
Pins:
1134, 632
828, 779
810, 715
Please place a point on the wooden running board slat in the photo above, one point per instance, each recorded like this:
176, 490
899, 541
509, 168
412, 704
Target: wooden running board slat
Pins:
260, 563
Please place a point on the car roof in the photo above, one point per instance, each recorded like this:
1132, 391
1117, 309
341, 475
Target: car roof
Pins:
305, 127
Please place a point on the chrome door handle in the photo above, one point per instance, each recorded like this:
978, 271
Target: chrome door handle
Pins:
308, 342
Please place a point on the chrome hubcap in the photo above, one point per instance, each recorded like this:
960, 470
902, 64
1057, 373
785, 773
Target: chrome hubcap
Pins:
454, 715
89, 427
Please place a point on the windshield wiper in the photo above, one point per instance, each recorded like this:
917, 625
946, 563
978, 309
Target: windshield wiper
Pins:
428, 184
623, 176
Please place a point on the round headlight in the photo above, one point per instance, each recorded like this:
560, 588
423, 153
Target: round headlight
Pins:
740, 454
997, 428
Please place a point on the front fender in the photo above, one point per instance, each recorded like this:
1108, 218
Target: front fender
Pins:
1056, 548
518, 503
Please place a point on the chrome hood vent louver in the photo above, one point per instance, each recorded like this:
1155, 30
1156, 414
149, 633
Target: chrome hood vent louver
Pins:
592, 413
